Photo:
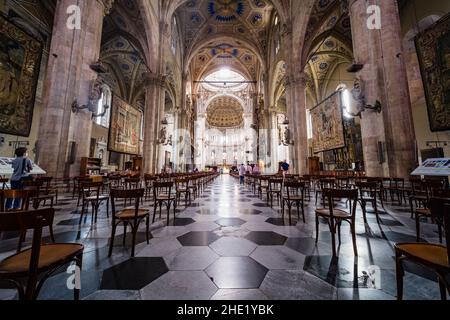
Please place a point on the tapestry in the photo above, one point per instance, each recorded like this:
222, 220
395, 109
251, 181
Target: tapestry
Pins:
327, 124
433, 50
125, 129
20, 58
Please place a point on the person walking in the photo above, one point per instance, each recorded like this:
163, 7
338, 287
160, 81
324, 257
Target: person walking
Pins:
285, 168
21, 171
242, 171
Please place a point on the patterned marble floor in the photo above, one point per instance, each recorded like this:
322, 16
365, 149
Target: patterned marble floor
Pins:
230, 245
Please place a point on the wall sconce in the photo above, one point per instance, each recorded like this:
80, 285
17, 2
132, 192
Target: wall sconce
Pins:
94, 98
357, 93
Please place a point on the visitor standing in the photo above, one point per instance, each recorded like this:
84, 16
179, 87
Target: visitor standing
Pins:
242, 171
21, 171
285, 168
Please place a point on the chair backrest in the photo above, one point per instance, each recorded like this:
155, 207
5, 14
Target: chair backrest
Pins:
132, 183
120, 194
29, 220
162, 188
275, 184
440, 209
90, 189
370, 188
182, 183
294, 189
15, 194
349, 194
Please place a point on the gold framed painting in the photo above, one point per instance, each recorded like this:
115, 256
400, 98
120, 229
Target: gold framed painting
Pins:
125, 129
328, 125
20, 59
433, 50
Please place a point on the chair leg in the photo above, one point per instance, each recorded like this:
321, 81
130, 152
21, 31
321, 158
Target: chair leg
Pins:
400, 274
168, 213
317, 228
440, 231
52, 235
148, 229
134, 230
417, 227
353, 230
154, 212
125, 225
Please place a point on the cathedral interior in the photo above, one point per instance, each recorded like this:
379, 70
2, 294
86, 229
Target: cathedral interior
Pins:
241, 133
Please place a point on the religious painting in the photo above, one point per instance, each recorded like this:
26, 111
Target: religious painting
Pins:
433, 49
124, 133
327, 123
20, 58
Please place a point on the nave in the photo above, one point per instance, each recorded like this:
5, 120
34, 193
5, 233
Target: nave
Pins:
229, 244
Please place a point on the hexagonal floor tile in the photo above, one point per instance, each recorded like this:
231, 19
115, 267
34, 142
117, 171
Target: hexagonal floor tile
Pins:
197, 238
237, 273
250, 211
278, 258
308, 246
239, 295
180, 222
180, 285
160, 247
140, 238
230, 222
264, 238
233, 247
278, 221
191, 259
133, 274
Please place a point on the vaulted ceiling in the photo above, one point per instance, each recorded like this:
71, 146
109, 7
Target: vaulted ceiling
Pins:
123, 51
225, 112
231, 33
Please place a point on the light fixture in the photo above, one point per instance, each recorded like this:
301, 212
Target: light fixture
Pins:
95, 98
357, 93
355, 67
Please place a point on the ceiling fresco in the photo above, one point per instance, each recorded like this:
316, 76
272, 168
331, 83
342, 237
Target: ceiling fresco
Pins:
123, 48
225, 112
238, 31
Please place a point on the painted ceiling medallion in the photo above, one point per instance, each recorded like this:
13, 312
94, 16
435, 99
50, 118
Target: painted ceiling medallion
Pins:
226, 10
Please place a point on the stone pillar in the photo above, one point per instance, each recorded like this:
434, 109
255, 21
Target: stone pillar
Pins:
153, 93
70, 78
296, 99
384, 77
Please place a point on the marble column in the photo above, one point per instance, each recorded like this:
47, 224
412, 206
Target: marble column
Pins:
384, 78
70, 78
153, 95
296, 99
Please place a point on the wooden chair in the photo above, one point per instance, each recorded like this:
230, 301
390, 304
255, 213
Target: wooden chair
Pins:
14, 196
38, 196
425, 213
4, 183
324, 183
263, 187
163, 194
335, 217
80, 181
47, 189
128, 216
275, 188
368, 193
92, 195
294, 195
182, 188
29, 269
395, 189
432, 256
148, 181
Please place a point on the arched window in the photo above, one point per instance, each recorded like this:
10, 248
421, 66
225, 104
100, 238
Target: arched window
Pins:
105, 100
174, 36
277, 35
346, 99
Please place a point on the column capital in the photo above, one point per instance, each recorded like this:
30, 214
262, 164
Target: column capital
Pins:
155, 79
294, 80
